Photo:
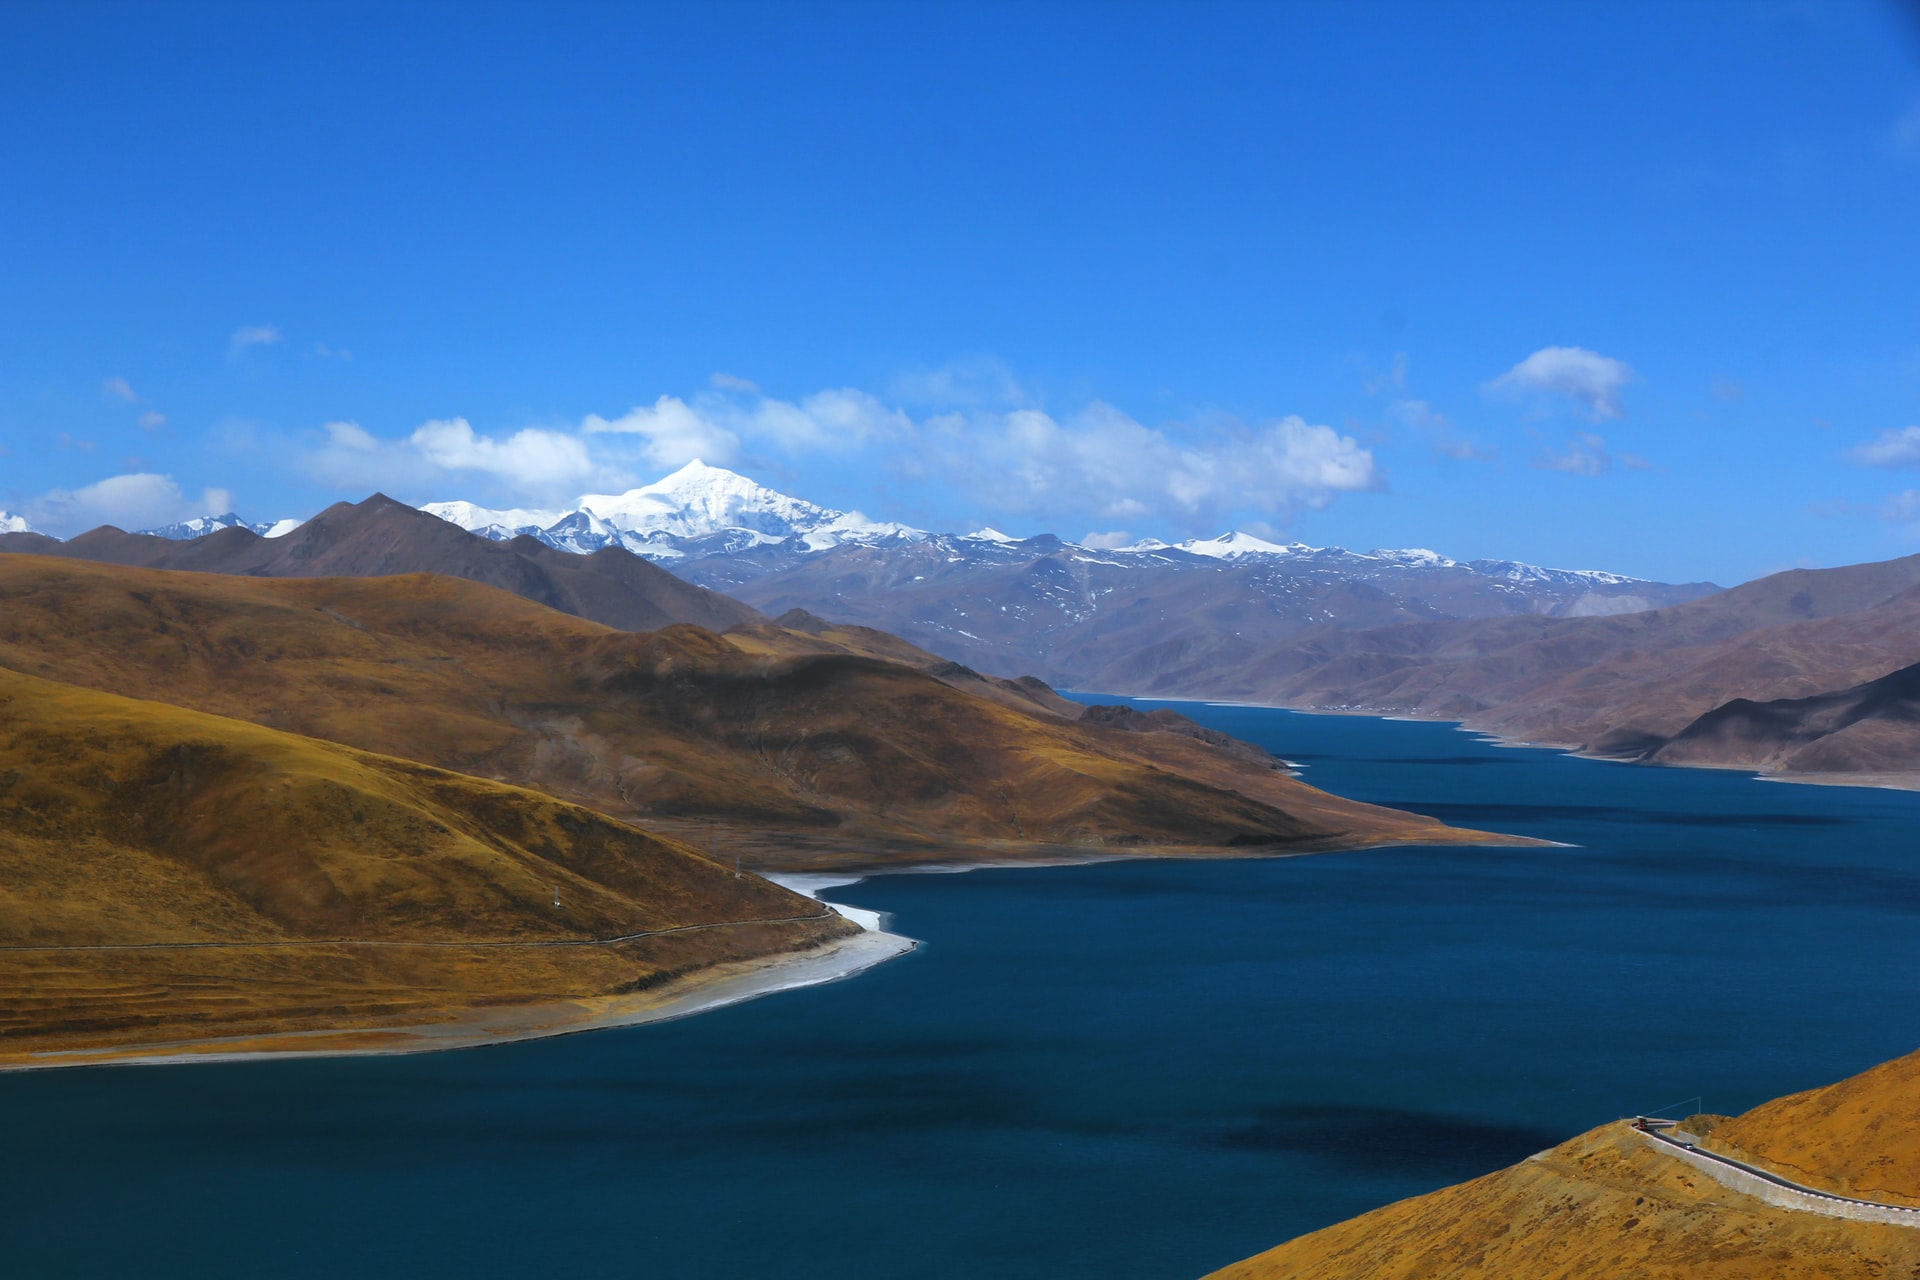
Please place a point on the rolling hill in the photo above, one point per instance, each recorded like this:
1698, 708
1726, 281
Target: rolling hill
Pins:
1610, 1203
174, 876
787, 746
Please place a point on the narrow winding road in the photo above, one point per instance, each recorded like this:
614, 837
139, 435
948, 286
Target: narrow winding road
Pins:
1770, 1187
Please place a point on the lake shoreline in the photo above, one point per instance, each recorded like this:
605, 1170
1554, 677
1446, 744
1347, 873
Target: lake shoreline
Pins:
1889, 780
717, 987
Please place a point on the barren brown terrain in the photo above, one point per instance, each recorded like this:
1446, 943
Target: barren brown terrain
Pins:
1623, 686
802, 756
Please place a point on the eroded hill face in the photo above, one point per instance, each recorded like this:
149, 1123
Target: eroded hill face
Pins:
1624, 685
817, 754
173, 875
1611, 1203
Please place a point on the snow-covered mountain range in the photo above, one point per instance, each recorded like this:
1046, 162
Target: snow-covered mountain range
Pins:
702, 511
201, 526
11, 523
698, 510
1144, 616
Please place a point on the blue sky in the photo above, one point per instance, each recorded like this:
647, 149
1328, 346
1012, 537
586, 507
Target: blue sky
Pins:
1629, 286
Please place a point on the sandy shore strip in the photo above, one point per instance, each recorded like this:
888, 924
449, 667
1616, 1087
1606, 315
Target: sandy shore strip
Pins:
714, 988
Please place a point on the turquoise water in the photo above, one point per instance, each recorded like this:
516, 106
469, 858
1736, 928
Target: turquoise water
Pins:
1124, 1070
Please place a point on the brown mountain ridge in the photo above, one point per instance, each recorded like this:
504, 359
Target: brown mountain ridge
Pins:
1622, 685
379, 537
769, 745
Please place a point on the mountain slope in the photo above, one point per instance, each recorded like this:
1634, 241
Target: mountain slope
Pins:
1081, 617
1613, 685
381, 537
807, 758
177, 875
1858, 730
1609, 1203
1041, 606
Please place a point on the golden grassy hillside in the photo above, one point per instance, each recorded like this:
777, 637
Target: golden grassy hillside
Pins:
1610, 1204
171, 874
836, 749
1858, 1138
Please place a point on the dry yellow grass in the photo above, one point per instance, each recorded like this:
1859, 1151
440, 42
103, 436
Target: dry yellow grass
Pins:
1610, 1204
1859, 1138
171, 874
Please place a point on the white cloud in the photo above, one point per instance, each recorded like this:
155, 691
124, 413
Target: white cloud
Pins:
120, 389
673, 433
1394, 378
1586, 377
1902, 508
1103, 463
1893, 450
1438, 428
350, 436
728, 382
541, 459
139, 501
1585, 456
976, 382
837, 420
1096, 464
153, 422
252, 335
1107, 541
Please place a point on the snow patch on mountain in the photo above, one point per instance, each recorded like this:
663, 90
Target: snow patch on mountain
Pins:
698, 509
700, 512
201, 526
11, 523
477, 519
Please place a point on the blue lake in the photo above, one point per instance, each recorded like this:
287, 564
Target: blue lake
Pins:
1135, 1069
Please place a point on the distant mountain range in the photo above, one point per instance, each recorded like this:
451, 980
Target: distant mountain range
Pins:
201, 526
1113, 618
1088, 617
1790, 673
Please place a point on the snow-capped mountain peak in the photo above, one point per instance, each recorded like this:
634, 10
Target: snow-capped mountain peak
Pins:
11, 523
1230, 546
478, 519
703, 515
698, 500
201, 526
699, 509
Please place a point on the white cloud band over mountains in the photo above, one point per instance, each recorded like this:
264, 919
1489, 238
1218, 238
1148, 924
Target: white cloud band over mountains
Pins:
140, 500
1095, 462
